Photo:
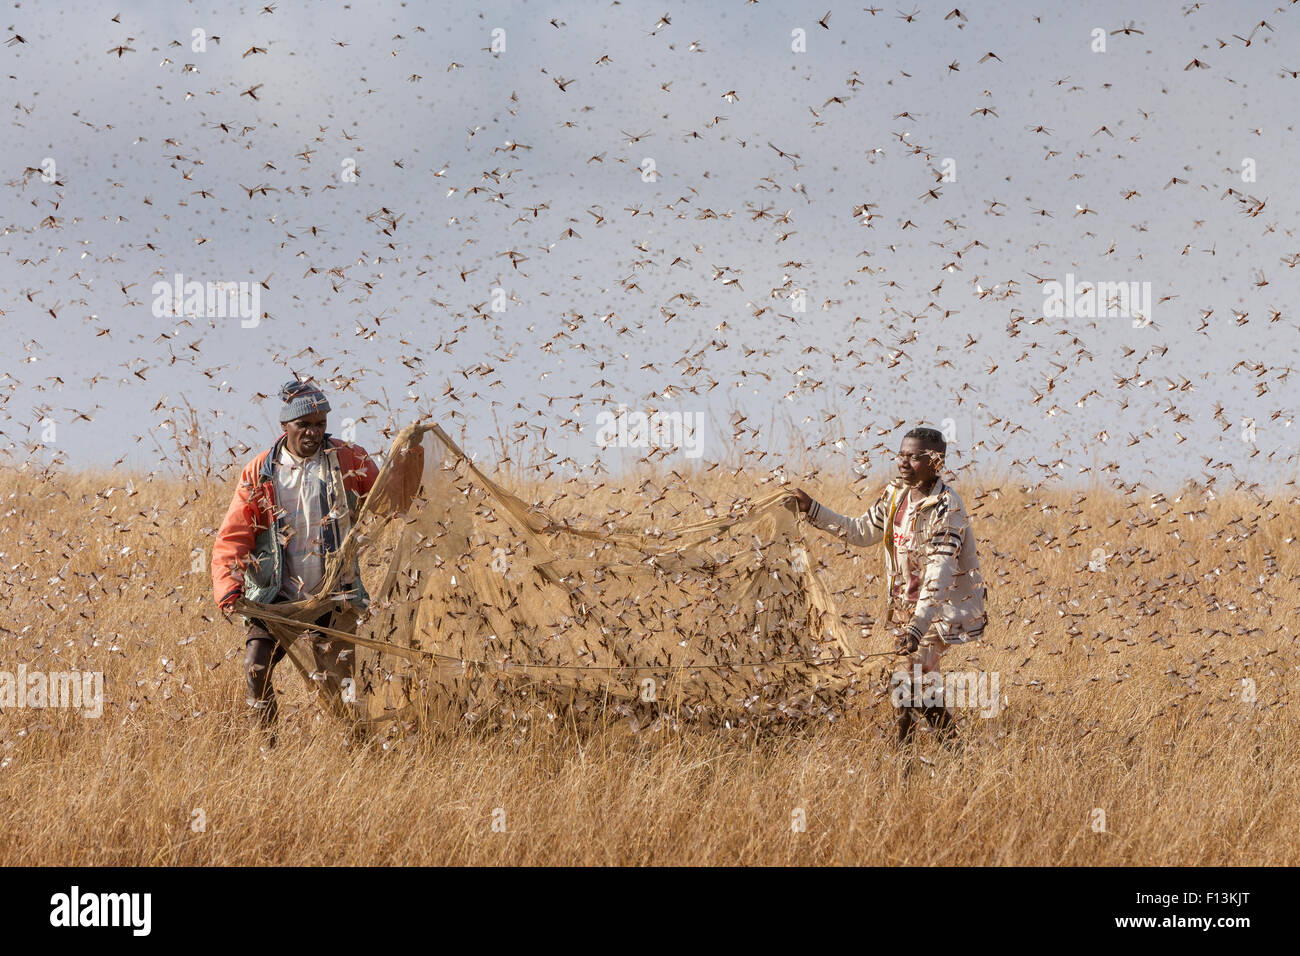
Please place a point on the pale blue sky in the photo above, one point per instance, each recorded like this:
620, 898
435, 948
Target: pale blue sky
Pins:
132, 151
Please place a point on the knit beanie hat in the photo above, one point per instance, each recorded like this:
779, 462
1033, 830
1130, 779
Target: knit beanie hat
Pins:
301, 398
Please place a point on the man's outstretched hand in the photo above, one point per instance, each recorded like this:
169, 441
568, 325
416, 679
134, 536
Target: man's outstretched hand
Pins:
904, 642
802, 500
227, 604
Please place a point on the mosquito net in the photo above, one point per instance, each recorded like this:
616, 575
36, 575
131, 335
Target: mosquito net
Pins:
484, 610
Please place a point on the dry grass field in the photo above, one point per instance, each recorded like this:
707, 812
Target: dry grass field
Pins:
1150, 689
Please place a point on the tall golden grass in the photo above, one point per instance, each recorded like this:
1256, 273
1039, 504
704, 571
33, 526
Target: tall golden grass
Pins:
1128, 690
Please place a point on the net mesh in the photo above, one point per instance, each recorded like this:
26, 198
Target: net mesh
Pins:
486, 611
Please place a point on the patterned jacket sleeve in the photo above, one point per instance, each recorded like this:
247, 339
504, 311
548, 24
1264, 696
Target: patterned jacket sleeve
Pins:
864, 531
940, 566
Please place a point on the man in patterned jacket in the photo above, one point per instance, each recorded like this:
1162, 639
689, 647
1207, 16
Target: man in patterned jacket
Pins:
935, 589
294, 505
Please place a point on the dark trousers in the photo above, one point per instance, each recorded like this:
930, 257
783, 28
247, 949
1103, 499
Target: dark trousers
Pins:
329, 660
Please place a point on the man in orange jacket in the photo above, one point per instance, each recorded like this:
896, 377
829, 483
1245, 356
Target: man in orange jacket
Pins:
294, 505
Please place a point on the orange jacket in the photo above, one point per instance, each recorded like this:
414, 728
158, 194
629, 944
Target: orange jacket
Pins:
247, 557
